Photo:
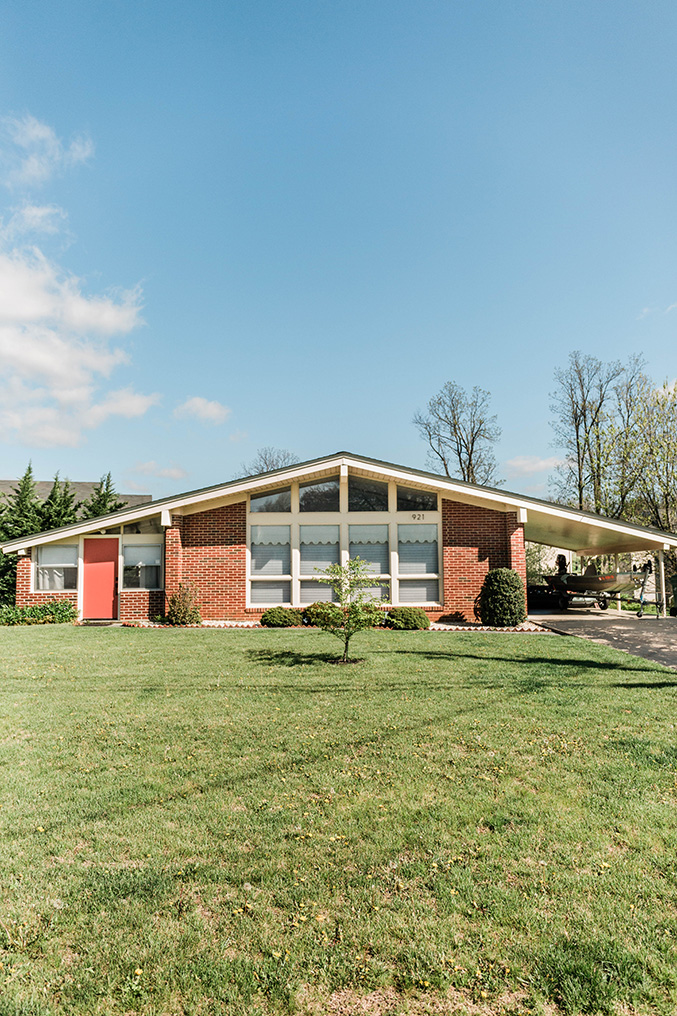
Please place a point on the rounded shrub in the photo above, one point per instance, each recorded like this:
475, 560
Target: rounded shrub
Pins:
407, 619
280, 617
317, 613
501, 603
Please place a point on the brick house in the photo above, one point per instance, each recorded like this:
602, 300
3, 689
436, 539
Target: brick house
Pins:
255, 542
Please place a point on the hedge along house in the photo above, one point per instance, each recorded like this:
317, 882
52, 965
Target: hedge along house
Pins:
259, 541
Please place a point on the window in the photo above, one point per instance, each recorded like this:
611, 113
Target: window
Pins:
367, 495
316, 592
322, 496
417, 549
319, 548
151, 525
271, 550
272, 501
270, 556
270, 592
57, 567
419, 591
142, 566
411, 500
371, 544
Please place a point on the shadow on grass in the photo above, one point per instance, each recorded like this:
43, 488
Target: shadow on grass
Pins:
290, 657
584, 664
645, 684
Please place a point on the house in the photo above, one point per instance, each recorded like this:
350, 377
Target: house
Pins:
254, 542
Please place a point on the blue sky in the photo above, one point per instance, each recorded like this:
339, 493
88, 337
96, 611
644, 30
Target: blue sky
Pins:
229, 225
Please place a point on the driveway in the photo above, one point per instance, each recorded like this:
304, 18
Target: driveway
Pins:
648, 637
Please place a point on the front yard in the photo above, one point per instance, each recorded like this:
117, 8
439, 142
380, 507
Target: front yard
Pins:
199, 822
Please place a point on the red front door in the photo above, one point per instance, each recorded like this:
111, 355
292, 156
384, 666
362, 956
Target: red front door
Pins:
100, 582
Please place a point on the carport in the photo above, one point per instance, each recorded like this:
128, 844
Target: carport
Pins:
589, 535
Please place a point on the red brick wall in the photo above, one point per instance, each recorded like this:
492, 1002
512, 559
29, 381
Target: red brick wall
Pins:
24, 596
475, 540
141, 604
214, 559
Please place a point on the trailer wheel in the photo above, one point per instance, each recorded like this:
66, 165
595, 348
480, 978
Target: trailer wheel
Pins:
563, 603
603, 602
640, 613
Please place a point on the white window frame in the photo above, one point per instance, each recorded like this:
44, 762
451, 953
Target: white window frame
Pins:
140, 540
344, 519
35, 563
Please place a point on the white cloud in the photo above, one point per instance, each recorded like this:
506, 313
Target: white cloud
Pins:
59, 346
237, 436
33, 153
32, 220
153, 469
203, 409
527, 465
670, 308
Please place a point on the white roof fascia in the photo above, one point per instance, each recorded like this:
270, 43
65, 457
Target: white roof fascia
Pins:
467, 493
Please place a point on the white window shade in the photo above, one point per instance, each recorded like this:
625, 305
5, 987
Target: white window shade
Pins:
270, 592
371, 544
143, 556
319, 548
270, 535
270, 550
65, 555
312, 592
419, 591
418, 549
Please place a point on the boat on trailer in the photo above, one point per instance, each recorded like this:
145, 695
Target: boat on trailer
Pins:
590, 584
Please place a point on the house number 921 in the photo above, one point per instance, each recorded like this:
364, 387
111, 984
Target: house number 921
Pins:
418, 516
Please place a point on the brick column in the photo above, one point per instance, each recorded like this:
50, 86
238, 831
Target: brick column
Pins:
23, 580
173, 556
515, 536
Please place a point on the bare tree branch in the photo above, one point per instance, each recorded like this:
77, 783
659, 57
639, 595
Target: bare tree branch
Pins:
267, 459
460, 433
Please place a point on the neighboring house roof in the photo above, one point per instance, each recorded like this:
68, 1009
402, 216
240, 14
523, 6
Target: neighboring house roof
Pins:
544, 522
81, 488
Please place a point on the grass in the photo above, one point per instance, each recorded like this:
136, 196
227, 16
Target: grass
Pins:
201, 822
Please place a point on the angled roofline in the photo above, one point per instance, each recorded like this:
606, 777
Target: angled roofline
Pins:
505, 499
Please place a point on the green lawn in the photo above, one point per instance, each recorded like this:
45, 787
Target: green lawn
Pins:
198, 822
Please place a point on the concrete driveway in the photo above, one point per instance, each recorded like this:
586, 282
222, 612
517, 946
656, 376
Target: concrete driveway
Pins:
648, 637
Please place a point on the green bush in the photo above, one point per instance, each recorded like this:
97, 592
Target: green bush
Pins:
183, 608
407, 619
281, 617
57, 612
316, 614
501, 602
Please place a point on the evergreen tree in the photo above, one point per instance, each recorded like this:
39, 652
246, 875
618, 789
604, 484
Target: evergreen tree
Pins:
103, 500
21, 516
60, 507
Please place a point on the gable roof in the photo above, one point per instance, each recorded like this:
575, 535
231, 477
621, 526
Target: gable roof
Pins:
544, 522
